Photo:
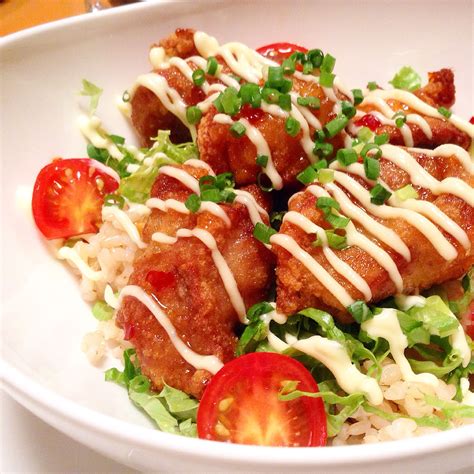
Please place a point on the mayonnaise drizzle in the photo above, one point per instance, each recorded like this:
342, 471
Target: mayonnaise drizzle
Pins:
222, 267
205, 362
114, 214
70, 254
386, 326
182, 176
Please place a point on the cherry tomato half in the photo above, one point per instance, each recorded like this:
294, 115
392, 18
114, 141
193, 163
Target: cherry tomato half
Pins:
241, 405
68, 197
280, 51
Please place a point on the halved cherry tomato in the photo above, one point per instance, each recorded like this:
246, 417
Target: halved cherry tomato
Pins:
370, 121
241, 405
68, 197
280, 51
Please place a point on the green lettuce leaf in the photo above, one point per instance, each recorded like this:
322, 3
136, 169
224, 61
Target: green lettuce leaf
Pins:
450, 409
406, 78
92, 91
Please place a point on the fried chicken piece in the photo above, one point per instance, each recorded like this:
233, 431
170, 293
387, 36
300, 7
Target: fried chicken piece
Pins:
439, 92
184, 280
297, 288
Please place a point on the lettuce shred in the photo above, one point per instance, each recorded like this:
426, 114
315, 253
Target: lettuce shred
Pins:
406, 78
172, 410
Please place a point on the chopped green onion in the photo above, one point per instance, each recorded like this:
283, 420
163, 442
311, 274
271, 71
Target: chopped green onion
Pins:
379, 195
218, 105
371, 168
400, 119
102, 311
193, 114
372, 85
292, 126
289, 66
117, 139
263, 232
358, 96
346, 156
320, 164
327, 202
213, 195
250, 94
286, 86
238, 129
364, 134
262, 160
199, 77
323, 149
407, 192
371, 146
360, 311
307, 176
298, 56
328, 63
316, 56
207, 182
445, 112
348, 109
114, 200
193, 203
126, 96
270, 95
326, 79
224, 180
308, 67
336, 241
325, 176
381, 139
267, 188
212, 65
333, 127
228, 196
284, 101
407, 78
275, 77
311, 102
230, 101
336, 220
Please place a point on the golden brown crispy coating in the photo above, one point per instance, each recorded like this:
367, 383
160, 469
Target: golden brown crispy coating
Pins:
193, 296
439, 92
298, 289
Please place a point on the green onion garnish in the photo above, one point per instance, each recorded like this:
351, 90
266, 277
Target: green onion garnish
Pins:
213, 195
308, 67
311, 102
224, 180
335, 241
336, 220
360, 311
275, 77
325, 176
102, 311
400, 119
445, 112
379, 195
372, 85
364, 134
193, 203
212, 65
126, 96
371, 168
323, 149
326, 79
270, 95
284, 101
289, 66
407, 192
327, 202
381, 139
262, 160
230, 101
333, 127
238, 129
358, 96
218, 105
371, 146
307, 176
193, 114
199, 76
346, 156
114, 200
321, 164
319, 135
348, 109
328, 63
316, 56
250, 94
292, 126
263, 232
286, 86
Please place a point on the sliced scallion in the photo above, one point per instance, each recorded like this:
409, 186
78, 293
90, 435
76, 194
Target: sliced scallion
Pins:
263, 232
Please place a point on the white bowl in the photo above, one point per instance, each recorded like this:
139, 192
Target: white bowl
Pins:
43, 317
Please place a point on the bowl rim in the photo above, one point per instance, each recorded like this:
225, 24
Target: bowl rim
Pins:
21, 387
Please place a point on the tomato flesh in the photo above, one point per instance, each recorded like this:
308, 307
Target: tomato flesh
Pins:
68, 197
241, 404
279, 51
370, 121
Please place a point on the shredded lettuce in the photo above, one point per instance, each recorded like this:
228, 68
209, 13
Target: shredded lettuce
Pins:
172, 410
450, 409
406, 78
94, 92
102, 311
137, 186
